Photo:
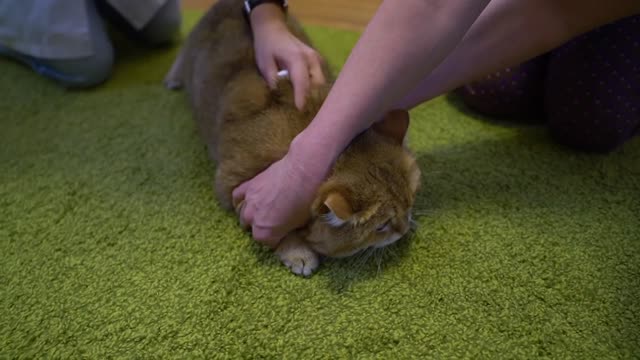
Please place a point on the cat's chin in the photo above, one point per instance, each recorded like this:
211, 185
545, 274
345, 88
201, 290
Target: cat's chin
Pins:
388, 241
320, 250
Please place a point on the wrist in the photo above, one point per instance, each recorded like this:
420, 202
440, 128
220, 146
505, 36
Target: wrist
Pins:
267, 17
314, 155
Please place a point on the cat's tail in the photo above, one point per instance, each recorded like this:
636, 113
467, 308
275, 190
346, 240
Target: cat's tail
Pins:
174, 79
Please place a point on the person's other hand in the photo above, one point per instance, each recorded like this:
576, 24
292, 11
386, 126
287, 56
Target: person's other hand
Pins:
276, 48
278, 200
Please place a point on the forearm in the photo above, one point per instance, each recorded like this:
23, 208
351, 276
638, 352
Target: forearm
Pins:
405, 40
509, 32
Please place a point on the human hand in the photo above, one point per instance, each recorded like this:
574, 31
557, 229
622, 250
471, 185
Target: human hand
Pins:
277, 48
279, 199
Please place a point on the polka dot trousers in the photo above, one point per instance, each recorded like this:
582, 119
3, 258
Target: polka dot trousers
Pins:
587, 90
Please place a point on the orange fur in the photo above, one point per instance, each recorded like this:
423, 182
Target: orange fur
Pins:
247, 127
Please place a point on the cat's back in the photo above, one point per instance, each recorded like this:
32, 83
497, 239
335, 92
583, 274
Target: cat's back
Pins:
218, 48
246, 125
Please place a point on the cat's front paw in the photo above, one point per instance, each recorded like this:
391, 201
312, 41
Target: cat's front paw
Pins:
299, 258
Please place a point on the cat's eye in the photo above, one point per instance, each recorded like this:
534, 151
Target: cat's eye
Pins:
384, 227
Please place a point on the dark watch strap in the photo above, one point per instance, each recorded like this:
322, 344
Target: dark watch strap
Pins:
249, 5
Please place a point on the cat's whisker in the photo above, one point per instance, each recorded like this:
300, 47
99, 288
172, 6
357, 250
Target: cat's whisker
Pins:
379, 259
391, 250
413, 227
424, 212
358, 258
368, 256
358, 263
365, 258
413, 224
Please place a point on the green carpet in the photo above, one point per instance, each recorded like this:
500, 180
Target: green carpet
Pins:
113, 246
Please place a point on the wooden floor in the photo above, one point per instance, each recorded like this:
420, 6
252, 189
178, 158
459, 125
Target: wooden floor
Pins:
344, 14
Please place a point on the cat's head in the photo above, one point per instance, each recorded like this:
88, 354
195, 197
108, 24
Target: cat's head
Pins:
367, 200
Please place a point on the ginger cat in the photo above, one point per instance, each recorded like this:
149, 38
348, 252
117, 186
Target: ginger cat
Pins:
367, 198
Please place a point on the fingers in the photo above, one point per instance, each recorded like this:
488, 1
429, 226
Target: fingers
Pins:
239, 193
239, 210
315, 69
238, 200
269, 71
266, 236
305, 70
246, 215
299, 73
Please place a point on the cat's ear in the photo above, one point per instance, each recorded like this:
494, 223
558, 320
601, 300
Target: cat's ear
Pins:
413, 173
335, 209
394, 125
